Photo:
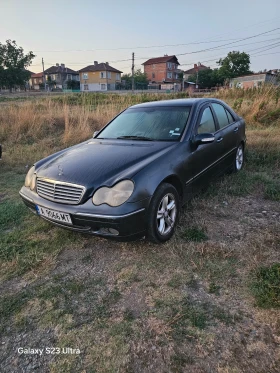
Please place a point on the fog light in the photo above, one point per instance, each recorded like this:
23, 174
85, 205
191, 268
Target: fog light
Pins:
113, 231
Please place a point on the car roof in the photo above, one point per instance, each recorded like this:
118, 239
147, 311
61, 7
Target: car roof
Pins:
176, 102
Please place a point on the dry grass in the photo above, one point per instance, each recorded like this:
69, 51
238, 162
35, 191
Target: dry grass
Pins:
58, 122
259, 107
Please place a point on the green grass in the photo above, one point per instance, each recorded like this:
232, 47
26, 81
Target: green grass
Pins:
13, 303
12, 213
194, 234
266, 286
246, 183
214, 288
176, 281
272, 191
179, 360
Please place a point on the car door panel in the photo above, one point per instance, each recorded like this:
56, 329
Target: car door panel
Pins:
228, 132
206, 157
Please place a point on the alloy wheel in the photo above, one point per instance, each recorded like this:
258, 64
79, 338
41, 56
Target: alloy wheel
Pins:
166, 214
239, 158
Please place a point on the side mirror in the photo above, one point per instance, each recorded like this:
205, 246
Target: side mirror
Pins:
95, 133
203, 138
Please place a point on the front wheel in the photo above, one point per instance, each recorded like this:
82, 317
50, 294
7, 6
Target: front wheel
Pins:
163, 213
239, 158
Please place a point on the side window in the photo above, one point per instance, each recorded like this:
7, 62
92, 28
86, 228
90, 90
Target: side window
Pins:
221, 115
230, 117
207, 124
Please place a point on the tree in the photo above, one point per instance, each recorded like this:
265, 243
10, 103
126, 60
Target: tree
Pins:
140, 80
13, 63
73, 84
206, 78
234, 65
51, 83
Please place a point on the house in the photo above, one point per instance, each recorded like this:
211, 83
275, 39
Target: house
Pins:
99, 77
35, 80
254, 80
163, 72
194, 70
58, 76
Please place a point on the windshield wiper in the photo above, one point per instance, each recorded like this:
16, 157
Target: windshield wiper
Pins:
144, 138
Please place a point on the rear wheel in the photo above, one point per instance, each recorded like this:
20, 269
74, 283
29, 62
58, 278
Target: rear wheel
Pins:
239, 158
163, 213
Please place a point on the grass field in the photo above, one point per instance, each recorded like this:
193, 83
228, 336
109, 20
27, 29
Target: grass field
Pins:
206, 301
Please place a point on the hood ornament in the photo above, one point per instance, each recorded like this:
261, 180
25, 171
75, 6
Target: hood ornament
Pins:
60, 169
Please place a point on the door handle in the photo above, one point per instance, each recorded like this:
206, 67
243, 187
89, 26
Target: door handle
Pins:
220, 139
235, 129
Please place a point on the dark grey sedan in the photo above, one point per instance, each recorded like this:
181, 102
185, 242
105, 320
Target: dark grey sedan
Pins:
131, 179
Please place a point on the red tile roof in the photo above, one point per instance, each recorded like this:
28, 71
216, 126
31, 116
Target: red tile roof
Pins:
38, 75
194, 69
161, 60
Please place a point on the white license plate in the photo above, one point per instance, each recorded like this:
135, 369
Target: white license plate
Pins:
62, 217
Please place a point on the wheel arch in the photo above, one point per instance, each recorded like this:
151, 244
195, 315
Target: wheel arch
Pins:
176, 182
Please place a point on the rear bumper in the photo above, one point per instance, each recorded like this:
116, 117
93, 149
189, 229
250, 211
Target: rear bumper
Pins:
126, 222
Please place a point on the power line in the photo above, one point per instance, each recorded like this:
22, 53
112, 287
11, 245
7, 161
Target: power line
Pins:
213, 48
254, 24
272, 47
205, 41
256, 42
129, 48
266, 54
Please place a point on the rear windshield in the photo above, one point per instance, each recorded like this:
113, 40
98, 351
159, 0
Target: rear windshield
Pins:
153, 123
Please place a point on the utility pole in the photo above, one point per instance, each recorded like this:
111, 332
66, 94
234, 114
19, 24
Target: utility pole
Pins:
197, 68
132, 71
44, 73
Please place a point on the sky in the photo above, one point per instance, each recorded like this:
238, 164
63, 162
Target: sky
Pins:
77, 33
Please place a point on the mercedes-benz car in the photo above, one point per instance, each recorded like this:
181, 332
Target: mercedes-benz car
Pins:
130, 180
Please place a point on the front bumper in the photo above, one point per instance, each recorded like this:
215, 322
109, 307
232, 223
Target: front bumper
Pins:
128, 220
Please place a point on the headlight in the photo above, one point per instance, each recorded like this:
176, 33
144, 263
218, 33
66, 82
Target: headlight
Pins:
30, 179
114, 196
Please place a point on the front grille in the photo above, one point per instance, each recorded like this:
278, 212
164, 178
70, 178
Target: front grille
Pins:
59, 191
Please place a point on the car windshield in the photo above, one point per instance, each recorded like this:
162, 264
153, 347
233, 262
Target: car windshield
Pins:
148, 123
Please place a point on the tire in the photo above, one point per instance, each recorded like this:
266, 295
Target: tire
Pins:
161, 219
238, 159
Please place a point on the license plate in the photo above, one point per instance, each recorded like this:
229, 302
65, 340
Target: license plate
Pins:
62, 217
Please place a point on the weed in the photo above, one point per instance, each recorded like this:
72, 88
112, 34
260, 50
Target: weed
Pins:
194, 234
175, 282
214, 289
128, 315
11, 213
266, 286
179, 360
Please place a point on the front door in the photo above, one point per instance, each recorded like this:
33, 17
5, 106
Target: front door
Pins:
205, 158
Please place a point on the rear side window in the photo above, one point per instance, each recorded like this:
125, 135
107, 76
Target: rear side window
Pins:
230, 117
221, 115
207, 123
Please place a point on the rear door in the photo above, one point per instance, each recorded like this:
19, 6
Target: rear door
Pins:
228, 132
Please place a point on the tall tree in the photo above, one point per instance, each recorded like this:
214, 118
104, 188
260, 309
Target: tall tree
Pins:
234, 64
140, 80
206, 78
13, 63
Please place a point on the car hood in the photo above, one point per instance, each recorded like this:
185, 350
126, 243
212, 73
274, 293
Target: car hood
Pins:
96, 163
